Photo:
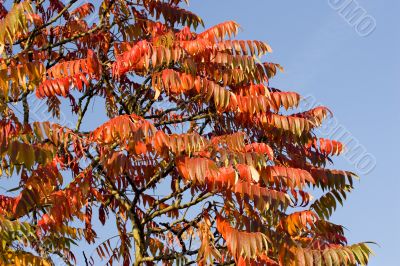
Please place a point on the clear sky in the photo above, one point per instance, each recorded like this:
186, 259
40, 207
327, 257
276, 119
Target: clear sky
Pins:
357, 77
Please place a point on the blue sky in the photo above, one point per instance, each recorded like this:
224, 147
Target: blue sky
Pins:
358, 78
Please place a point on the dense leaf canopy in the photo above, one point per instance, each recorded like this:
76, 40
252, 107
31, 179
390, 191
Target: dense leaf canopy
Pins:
200, 160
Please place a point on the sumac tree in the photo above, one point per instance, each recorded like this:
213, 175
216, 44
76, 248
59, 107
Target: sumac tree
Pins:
200, 160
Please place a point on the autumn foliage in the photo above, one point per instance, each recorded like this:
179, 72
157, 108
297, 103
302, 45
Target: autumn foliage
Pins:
199, 160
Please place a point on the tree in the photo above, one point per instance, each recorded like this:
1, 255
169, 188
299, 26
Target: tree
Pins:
201, 159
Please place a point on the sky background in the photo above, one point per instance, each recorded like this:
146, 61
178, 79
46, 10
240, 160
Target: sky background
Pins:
358, 78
